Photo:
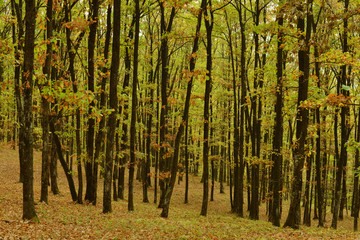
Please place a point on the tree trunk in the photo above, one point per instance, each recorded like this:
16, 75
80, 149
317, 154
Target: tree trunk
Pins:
209, 23
113, 103
63, 162
294, 215
94, 13
16, 11
100, 134
276, 171
26, 142
133, 107
345, 126
164, 54
45, 105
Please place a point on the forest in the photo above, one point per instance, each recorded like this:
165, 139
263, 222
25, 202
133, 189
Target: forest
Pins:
254, 102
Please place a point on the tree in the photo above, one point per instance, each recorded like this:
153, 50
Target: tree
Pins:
113, 101
133, 107
276, 171
345, 128
294, 215
46, 109
209, 23
94, 15
26, 142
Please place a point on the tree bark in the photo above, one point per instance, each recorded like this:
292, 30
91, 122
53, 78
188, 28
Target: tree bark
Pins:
294, 215
45, 105
26, 142
113, 103
345, 125
94, 13
133, 107
276, 171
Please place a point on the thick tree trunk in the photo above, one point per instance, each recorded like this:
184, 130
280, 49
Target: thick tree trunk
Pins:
276, 171
164, 160
113, 103
294, 215
26, 142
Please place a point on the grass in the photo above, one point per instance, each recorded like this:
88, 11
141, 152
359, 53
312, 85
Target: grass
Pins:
63, 219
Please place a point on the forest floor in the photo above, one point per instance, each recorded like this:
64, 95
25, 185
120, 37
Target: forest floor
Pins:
63, 219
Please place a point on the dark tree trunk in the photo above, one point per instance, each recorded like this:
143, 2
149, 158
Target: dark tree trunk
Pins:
71, 53
16, 11
124, 111
100, 134
345, 125
242, 111
307, 201
63, 162
186, 162
276, 171
149, 123
294, 215
319, 165
133, 107
26, 142
45, 105
356, 189
53, 169
256, 127
113, 103
209, 23
164, 54
94, 13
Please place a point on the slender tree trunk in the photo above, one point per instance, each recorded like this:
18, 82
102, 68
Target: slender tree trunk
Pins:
46, 109
94, 13
100, 134
356, 189
124, 110
345, 126
319, 165
255, 134
186, 162
133, 107
209, 23
16, 10
307, 201
63, 162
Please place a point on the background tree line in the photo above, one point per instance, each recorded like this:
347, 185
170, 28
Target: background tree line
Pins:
259, 95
